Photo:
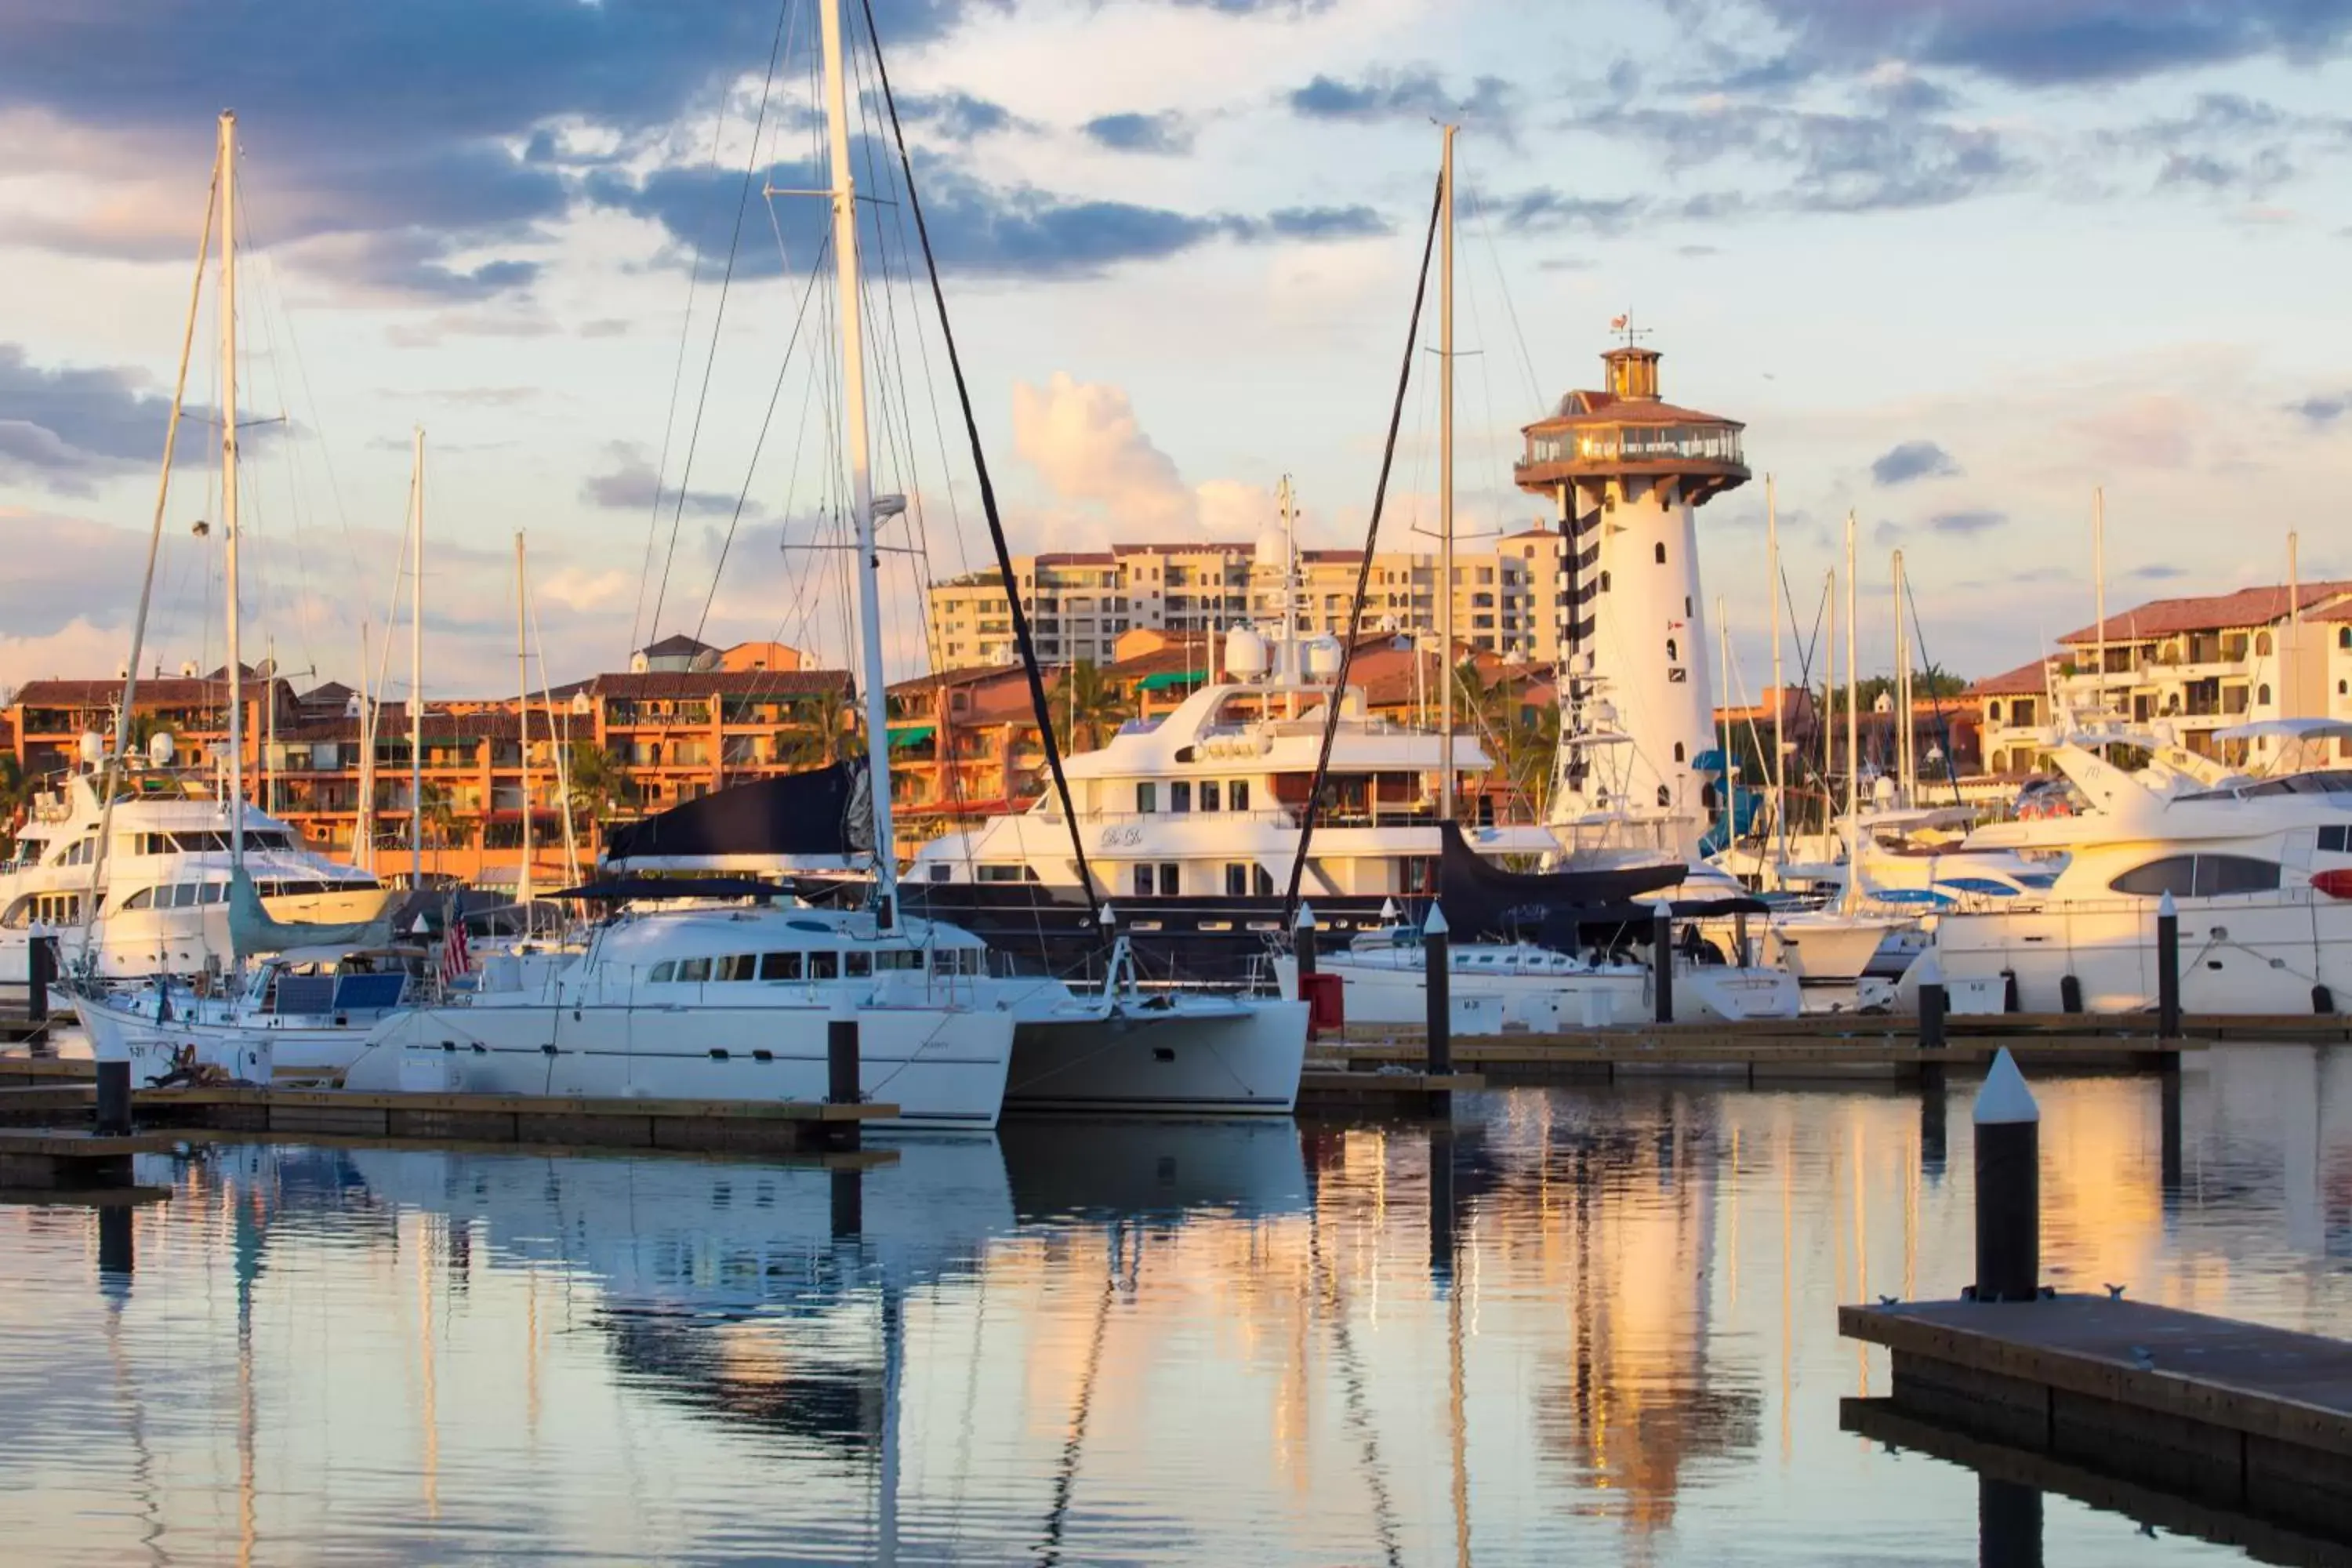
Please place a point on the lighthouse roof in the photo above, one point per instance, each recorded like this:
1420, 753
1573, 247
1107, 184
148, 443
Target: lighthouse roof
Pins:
1591, 407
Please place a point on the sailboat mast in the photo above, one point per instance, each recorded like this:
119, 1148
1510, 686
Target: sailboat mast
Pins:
1852, 731
1446, 485
2294, 643
1829, 705
861, 478
416, 665
229, 486
1778, 771
522, 712
1730, 799
363, 822
1901, 690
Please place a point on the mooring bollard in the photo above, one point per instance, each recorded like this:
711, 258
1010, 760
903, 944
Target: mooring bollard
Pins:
1933, 1002
1662, 960
1437, 970
40, 968
2167, 969
114, 1099
2009, 1186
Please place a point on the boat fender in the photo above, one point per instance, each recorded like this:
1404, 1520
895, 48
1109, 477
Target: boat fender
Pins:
2070, 993
2323, 1001
2009, 991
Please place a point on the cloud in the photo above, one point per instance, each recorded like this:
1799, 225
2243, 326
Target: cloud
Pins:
1167, 133
69, 428
959, 117
1912, 460
1965, 525
2158, 572
2046, 43
1416, 93
630, 484
1084, 440
1545, 210
1326, 222
2320, 410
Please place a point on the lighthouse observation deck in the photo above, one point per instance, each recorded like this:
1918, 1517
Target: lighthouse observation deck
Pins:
1627, 433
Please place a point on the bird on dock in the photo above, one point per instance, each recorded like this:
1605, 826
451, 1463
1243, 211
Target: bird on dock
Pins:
2142, 1358
1887, 1300
2116, 1293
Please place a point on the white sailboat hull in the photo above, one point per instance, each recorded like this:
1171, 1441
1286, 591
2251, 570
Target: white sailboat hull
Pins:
943, 1067
157, 1048
1202, 1057
2254, 955
1482, 1004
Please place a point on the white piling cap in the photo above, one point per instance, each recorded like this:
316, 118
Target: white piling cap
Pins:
2165, 908
1928, 971
1435, 924
1106, 916
1306, 919
845, 1007
2004, 1099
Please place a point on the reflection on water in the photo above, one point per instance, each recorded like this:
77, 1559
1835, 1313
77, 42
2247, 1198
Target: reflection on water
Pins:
1592, 1324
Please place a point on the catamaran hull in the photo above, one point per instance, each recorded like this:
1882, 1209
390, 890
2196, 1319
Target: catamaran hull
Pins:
942, 1068
1223, 1059
2237, 955
1483, 1004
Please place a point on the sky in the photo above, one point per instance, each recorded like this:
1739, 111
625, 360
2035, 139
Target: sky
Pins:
1956, 264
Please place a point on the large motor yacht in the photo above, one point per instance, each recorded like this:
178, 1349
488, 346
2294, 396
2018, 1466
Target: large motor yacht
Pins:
2260, 870
163, 888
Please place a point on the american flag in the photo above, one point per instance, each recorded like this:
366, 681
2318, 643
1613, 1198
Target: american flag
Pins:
456, 960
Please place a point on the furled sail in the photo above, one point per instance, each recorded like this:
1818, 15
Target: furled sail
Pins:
824, 811
252, 930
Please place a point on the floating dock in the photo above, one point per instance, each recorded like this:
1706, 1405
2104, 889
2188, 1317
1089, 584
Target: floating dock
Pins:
2234, 1415
1326, 1087
41, 1159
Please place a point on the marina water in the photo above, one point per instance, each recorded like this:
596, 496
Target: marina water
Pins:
1591, 1324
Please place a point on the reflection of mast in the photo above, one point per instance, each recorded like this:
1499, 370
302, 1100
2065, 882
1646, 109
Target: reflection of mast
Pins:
1352, 1372
1066, 1475
893, 1367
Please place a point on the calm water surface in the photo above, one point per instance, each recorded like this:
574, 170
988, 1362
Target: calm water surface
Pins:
1134, 1343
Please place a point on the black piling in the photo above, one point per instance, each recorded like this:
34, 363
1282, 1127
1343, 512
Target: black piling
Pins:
2009, 1524
2009, 1187
1437, 970
113, 1098
1933, 1002
2167, 969
1662, 961
115, 1254
848, 1204
1302, 948
41, 969
841, 1061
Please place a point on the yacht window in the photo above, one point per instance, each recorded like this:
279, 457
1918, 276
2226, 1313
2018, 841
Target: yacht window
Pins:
779, 966
1143, 881
145, 897
1208, 795
1237, 794
940, 873
999, 873
857, 965
1171, 883
692, 971
2199, 877
662, 973
1180, 796
1237, 879
2336, 840
740, 967
1264, 883
1147, 796
215, 893
900, 958
825, 966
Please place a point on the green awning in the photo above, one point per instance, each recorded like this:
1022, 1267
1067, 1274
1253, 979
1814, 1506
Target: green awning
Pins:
910, 734
1167, 678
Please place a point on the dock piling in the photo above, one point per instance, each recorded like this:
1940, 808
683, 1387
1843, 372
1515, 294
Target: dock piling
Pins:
841, 1060
2167, 969
41, 969
1437, 968
1662, 961
848, 1204
113, 1098
2009, 1187
2009, 1524
1933, 1002
1302, 946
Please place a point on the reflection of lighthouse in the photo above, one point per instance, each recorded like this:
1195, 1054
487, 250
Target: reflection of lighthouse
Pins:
1627, 472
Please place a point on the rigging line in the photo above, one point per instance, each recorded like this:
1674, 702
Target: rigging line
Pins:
718, 322
1337, 698
1519, 334
1038, 704
1943, 726
751, 470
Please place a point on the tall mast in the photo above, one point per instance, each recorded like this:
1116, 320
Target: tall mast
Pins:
1730, 799
2294, 628
229, 486
363, 823
269, 730
522, 711
1902, 691
1777, 773
861, 479
1446, 484
1829, 704
1853, 735
416, 665
2099, 588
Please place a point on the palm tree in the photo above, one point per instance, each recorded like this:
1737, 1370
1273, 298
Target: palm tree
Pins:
439, 820
829, 723
1088, 707
598, 781
16, 795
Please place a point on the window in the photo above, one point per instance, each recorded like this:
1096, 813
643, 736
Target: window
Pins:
2262, 694
1170, 882
1661, 552
741, 966
1147, 796
940, 873
663, 972
857, 965
2199, 877
905, 958
1687, 604
691, 971
1143, 881
1237, 879
1265, 881
144, 897
1208, 795
1673, 653
2336, 840
825, 966
215, 893
1238, 793
1180, 796
1604, 582
1678, 751
779, 966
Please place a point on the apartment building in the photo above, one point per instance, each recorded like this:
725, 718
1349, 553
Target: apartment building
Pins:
1509, 600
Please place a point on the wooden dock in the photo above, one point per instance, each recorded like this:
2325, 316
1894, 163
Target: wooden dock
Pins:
1325, 1089
48, 1158
572, 1122
2234, 1415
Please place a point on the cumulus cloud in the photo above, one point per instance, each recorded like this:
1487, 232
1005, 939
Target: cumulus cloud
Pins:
1414, 93
2321, 410
630, 484
1912, 460
1084, 440
1167, 133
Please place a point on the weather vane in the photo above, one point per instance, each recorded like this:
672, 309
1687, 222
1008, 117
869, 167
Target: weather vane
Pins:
1624, 324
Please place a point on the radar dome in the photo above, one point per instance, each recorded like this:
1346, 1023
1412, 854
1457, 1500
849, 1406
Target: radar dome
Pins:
161, 749
1272, 552
93, 747
1322, 657
1244, 653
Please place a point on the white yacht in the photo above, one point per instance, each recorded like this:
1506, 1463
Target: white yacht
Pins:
303, 1012
1494, 987
164, 893
2260, 870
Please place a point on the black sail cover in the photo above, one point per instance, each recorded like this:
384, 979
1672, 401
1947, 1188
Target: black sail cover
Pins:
1482, 899
826, 811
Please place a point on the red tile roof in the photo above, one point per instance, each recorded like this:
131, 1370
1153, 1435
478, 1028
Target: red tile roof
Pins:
2209, 612
2025, 678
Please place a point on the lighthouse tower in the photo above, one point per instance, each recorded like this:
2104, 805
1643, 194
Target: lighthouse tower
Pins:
1627, 473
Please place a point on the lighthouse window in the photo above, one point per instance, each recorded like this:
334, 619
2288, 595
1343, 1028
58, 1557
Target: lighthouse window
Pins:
1604, 582
1686, 608
1661, 552
1665, 795
1678, 751
1670, 652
